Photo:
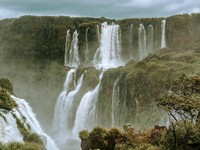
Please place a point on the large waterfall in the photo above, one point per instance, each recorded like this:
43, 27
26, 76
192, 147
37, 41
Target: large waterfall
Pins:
63, 117
85, 115
163, 40
77, 107
109, 53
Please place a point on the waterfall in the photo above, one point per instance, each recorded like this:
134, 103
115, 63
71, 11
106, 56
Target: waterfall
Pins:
9, 131
73, 52
131, 41
115, 100
86, 46
61, 100
163, 38
24, 111
85, 115
109, 53
63, 113
67, 48
150, 38
142, 41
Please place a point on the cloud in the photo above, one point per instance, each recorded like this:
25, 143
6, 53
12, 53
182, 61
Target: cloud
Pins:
98, 8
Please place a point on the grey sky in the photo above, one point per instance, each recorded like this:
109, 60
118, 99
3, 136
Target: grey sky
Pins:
98, 8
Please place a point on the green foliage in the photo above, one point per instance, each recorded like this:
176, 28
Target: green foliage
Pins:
27, 135
5, 100
20, 146
84, 134
183, 98
6, 84
97, 138
114, 139
33, 138
182, 136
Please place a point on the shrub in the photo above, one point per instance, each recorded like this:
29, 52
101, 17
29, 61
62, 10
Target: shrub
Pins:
84, 135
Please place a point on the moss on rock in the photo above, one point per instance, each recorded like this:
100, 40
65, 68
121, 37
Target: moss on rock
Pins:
5, 100
6, 84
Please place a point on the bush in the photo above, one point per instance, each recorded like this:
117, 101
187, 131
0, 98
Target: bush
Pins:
22, 146
84, 135
182, 136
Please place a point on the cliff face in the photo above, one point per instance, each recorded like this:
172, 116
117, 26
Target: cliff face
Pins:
35, 48
44, 37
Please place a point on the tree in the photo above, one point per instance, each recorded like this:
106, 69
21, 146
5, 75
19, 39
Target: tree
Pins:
183, 99
182, 103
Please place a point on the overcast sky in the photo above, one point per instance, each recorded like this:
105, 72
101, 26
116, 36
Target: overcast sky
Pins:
98, 8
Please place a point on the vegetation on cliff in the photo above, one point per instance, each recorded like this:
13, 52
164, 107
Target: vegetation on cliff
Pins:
182, 105
5, 100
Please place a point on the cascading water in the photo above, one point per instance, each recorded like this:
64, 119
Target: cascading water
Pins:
73, 52
67, 47
131, 41
142, 41
150, 38
85, 115
62, 114
109, 53
24, 111
9, 131
163, 38
57, 126
86, 45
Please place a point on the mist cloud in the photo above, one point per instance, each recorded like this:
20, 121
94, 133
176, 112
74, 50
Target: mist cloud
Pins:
98, 8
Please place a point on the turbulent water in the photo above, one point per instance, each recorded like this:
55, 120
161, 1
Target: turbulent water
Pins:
9, 130
75, 111
85, 115
109, 53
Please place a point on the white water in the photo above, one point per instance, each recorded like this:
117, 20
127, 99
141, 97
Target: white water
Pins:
115, 99
63, 111
24, 110
86, 45
85, 114
163, 38
8, 128
57, 126
67, 47
73, 52
142, 42
108, 55
150, 38
131, 42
